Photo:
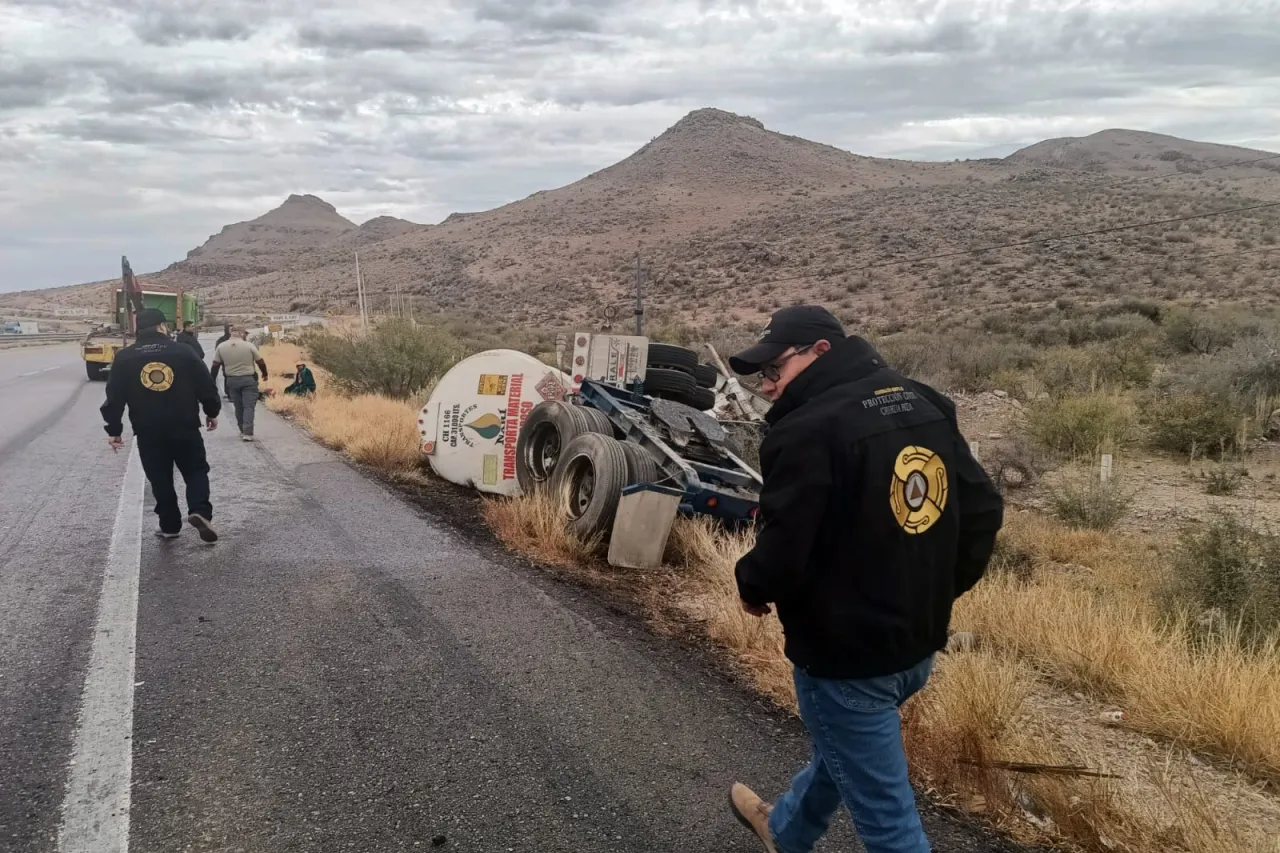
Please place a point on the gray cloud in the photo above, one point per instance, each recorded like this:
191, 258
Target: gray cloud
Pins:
565, 16
164, 28
212, 114
404, 38
30, 84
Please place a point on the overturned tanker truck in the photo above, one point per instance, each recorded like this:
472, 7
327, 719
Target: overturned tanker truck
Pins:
623, 443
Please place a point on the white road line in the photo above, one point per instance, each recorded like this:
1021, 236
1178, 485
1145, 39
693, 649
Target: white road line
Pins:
95, 813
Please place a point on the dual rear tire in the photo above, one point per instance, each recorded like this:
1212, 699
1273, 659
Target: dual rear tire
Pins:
568, 453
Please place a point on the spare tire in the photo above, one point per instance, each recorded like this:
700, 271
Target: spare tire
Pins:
550, 428
588, 483
673, 357
706, 375
703, 399
672, 384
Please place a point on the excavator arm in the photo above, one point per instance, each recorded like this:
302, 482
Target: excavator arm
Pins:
132, 293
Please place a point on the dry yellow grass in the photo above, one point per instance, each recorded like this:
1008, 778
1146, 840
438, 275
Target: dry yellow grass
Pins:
1091, 627
535, 527
974, 711
371, 429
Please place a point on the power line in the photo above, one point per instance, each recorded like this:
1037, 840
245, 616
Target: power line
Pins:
1139, 179
1234, 253
1014, 245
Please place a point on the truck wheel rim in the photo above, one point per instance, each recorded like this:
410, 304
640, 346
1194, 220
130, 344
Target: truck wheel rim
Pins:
543, 452
582, 487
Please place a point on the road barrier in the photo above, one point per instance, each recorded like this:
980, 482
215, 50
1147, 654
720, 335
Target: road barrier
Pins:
51, 336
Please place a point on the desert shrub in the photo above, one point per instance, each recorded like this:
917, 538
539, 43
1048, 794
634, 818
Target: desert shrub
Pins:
1251, 367
1080, 425
975, 364
1118, 363
963, 360
1067, 369
395, 359
1220, 480
1126, 362
1090, 503
1204, 333
1225, 571
1208, 423
1141, 307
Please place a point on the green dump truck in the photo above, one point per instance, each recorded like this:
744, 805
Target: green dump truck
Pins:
178, 307
100, 346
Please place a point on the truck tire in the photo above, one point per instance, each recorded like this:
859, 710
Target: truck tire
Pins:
671, 384
706, 375
94, 370
590, 420
672, 357
703, 399
548, 430
588, 484
641, 466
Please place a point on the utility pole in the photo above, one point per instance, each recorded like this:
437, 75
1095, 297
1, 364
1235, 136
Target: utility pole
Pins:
639, 297
364, 317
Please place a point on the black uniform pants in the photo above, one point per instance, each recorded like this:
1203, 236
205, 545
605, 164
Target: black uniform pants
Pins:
159, 455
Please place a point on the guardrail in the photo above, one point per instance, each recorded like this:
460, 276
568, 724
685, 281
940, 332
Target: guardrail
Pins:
50, 336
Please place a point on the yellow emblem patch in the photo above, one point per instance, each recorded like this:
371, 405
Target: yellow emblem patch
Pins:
157, 376
918, 493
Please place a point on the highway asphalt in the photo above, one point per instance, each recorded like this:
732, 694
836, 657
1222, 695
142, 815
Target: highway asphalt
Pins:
339, 672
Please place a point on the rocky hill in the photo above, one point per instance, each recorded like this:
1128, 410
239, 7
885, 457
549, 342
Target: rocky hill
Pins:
730, 219
1138, 152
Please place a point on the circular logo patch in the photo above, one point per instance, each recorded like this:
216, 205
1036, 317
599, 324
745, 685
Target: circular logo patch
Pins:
157, 376
918, 493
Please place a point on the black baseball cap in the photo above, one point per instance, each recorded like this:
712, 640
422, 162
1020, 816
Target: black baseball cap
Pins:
794, 326
149, 318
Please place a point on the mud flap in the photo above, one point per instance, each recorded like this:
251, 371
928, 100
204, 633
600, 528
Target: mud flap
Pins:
642, 525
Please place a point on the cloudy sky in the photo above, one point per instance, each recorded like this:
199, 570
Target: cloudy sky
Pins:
141, 127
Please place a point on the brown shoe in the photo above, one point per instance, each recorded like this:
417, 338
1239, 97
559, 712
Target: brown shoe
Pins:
752, 812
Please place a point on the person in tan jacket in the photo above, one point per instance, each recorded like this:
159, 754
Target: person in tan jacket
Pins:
237, 357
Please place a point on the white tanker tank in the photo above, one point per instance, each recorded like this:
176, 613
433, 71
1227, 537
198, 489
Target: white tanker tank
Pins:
470, 423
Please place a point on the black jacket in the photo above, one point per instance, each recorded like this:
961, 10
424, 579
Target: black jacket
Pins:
874, 517
164, 384
191, 340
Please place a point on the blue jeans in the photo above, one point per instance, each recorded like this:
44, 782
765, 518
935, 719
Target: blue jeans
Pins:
858, 759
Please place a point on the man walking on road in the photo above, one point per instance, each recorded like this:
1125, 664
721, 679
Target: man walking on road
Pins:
874, 518
164, 384
189, 337
237, 357
226, 336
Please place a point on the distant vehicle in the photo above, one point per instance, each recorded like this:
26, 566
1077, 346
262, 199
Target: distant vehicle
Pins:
99, 347
21, 327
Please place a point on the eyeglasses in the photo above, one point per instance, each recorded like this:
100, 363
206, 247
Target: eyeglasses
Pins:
773, 372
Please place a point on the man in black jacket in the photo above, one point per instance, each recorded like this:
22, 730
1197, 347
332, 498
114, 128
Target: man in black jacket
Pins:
164, 384
190, 338
226, 336
874, 518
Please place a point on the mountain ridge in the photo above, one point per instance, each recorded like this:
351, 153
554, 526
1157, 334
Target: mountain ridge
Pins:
716, 201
